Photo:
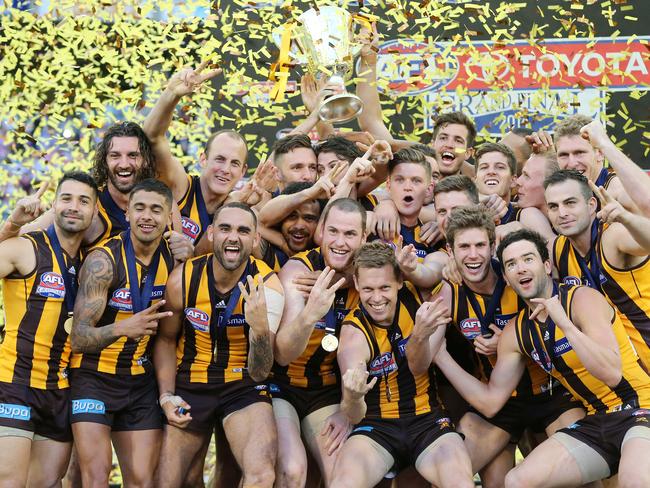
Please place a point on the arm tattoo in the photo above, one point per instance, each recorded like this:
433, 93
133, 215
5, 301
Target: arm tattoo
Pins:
95, 279
260, 357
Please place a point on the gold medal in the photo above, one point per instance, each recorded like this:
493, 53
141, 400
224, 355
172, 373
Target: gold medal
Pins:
329, 343
67, 325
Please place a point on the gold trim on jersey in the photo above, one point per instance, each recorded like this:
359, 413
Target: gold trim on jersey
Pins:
315, 367
633, 391
36, 347
397, 393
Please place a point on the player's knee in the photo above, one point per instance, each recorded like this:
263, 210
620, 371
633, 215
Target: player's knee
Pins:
635, 479
517, 478
292, 472
95, 475
259, 476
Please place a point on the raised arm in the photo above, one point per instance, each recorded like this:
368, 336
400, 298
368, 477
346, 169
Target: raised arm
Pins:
431, 322
589, 331
299, 317
353, 355
312, 95
487, 398
632, 180
185, 82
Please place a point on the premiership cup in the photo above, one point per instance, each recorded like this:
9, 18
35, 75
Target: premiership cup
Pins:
323, 41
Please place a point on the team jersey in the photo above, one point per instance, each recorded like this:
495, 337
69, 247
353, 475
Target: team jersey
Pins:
111, 215
465, 317
213, 348
274, 257
605, 177
369, 202
36, 347
627, 290
125, 356
194, 216
511, 215
546, 344
316, 367
397, 393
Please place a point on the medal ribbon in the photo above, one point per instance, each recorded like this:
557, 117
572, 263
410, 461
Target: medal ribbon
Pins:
591, 271
140, 297
542, 346
492, 305
69, 282
224, 317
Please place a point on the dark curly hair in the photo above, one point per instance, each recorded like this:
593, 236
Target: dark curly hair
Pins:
123, 129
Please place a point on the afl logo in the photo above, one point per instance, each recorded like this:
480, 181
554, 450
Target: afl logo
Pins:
471, 328
51, 285
412, 67
572, 281
121, 300
190, 228
198, 318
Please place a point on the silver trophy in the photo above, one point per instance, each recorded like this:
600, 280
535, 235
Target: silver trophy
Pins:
323, 41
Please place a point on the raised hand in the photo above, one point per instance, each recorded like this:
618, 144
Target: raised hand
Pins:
360, 169
188, 80
369, 40
255, 305
355, 381
553, 308
611, 209
181, 247
29, 208
541, 141
430, 232
266, 176
325, 186
595, 133
451, 273
144, 323
322, 295
406, 256
496, 205
304, 282
387, 223
432, 315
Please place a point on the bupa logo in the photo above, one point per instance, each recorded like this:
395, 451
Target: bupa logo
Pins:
16, 412
198, 318
471, 328
190, 228
572, 281
121, 300
51, 285
88, 405
415, 67
383, 364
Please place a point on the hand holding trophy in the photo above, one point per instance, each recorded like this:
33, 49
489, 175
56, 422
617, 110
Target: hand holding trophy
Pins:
322, 40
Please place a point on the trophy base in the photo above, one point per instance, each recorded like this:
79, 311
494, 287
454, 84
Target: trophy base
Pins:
340, 108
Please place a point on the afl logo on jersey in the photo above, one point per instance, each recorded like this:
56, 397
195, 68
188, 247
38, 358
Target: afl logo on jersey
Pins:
51, 285
121, 300
198, 318
572, 281
190, 228
471, 328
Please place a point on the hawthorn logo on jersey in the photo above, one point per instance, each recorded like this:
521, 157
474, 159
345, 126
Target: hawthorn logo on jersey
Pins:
51, 285
471, 328
16, 412
198, 318
383, 364
190, 228
572, 281
121, 300
88, 405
